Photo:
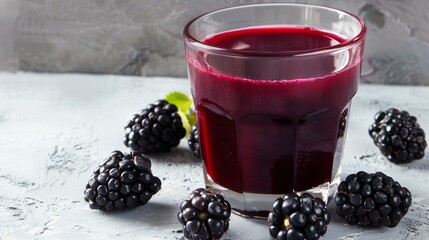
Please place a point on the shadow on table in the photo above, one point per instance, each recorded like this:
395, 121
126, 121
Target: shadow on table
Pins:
376, 159
179, 155
422, 164
152, 214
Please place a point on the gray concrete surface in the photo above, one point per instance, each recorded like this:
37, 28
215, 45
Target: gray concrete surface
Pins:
55, 129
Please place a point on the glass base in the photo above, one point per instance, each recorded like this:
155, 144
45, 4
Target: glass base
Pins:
258, 206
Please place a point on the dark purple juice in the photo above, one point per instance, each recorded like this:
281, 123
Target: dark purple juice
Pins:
271, 131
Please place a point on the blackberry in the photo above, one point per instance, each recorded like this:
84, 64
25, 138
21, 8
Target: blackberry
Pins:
342, 124
157, 128
398, 136
204, 215
298, 217
194, 142
123, 180
372, 200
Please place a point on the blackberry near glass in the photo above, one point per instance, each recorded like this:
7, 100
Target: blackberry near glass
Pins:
272, 86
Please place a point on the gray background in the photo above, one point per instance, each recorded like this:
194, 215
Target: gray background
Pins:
143, 37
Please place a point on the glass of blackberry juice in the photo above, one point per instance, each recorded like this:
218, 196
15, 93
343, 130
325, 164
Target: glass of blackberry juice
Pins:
272, 86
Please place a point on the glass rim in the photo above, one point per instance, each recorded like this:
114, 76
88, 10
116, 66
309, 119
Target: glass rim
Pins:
315, 51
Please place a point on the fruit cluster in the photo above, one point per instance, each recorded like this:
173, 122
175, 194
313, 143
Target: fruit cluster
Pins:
372, 200
342, 123
157, 128
194, 142
398, 135
298, 217
123, 180
204, 215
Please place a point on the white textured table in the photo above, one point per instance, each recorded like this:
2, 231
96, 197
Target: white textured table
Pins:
55, 129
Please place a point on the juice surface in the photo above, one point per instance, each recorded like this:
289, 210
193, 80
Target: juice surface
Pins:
274, 39
262, 129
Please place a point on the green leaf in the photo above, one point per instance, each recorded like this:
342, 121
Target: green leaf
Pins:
183, 103
181, 100
192, 119
185, 122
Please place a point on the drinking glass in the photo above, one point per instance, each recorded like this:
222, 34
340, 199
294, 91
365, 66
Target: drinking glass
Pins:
272, 86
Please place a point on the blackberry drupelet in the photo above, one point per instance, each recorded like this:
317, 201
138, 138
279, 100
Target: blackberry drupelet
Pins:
298, 217
194, 142
398, 136
204, 215
123, 180
157, 128
372, 200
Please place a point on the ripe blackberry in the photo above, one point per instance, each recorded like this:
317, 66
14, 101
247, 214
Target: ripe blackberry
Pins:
123, 180
194, 142
372, 200
398, 136
342, 123
157, 128
204, 215
298, 217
